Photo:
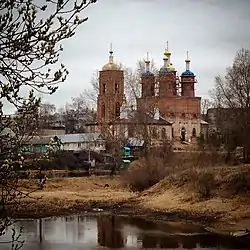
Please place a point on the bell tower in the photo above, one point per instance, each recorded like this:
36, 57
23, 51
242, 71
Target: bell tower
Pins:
188, 80
148, 81
167, 77
111, 91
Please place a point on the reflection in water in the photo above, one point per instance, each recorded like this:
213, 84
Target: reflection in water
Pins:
109, 232
114, 232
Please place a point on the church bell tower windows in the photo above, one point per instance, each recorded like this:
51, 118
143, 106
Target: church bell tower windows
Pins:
116, 88
104, 88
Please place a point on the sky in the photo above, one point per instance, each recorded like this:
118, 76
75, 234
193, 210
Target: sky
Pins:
211, 30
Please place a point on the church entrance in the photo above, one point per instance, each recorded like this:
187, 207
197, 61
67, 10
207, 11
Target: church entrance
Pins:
183, 134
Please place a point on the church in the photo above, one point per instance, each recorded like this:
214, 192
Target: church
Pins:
167, 108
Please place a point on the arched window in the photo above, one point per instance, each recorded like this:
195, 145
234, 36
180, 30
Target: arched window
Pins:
183, 134
194, 132
154, 133
104, 88
152, 89
171, 114
103, 110
116, 88
163, 134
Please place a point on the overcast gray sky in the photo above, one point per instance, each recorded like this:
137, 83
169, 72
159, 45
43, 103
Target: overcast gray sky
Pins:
212, 31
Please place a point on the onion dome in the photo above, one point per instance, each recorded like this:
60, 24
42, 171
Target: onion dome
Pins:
168, 66
171, 67
111, 65
147, 71
187, 72
165, 68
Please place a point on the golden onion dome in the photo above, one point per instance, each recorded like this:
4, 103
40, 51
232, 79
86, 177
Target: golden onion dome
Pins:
171, 67
111, 65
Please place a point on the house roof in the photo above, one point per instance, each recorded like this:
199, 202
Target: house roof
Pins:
67, 138
149, 121
84, 137
204, 122
7, 132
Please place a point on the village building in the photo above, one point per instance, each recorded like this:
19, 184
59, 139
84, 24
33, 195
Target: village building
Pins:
168, 106
68, 142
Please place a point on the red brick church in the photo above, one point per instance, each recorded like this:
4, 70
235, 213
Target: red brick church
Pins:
169, 97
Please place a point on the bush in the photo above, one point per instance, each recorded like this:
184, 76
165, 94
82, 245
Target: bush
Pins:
202, 183
205, 184
239, 182
144, 173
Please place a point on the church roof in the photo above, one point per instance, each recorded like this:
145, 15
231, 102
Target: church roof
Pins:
147, 73
187, 73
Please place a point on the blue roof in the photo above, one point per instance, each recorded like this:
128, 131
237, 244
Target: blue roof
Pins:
147, 73
187, 73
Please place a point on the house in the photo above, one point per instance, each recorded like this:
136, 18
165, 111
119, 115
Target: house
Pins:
68, 142
84, 141
7, 137
7, 132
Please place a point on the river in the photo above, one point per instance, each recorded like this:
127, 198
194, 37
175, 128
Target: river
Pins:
113, 232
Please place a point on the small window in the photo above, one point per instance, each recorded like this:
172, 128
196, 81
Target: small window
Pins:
195, 116
183, 115
152, 89
163, 134
171, 115
194, 132
154, 133
103, 110
116, 88
104, 88
117, 110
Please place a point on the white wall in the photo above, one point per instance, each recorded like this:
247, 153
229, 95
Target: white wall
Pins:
75, 146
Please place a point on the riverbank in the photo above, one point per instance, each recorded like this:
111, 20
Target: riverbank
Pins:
97, 194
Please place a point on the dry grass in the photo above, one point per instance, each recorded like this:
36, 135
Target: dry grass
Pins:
190, 185
68, 193
198, 183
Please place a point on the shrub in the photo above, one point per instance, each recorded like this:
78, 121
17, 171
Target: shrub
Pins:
202, 183
239, 182
205, 184
144, 173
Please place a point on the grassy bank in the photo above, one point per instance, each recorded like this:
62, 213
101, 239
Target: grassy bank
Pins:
165, 200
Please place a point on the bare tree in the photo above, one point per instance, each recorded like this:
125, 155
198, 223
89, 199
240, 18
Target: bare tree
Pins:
133, 79
205, 105
76, 114
31, 33
233, 92
46, 115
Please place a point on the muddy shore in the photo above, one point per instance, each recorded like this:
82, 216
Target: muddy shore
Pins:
92, 195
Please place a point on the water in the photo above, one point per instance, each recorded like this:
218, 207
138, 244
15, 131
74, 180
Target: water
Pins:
114, 232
